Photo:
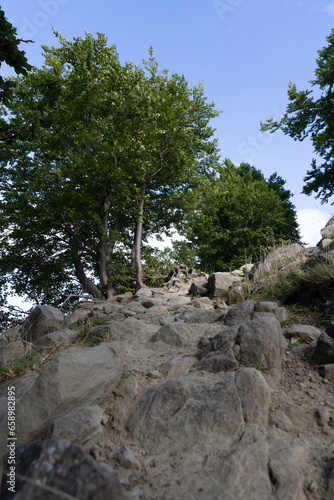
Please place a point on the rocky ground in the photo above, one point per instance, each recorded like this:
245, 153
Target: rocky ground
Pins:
177, 397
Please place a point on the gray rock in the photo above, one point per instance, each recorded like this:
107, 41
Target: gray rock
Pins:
126, 459
11, 351
227, 334
153, 312
177, 302
307, 333
287, 469
219, 283
222, 360
10, 335
280, 420
177, 367
135, 307
80, 377
125, 330
240, 313
323, 353
56, 468
262, 344
194, 315
181, 334
199, 287
203, 303
144, 292
60, 337
82, 425
151, 301
42, 320
327, 371
278, 259
186, 412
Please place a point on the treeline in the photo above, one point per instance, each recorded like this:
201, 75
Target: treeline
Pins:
97, 156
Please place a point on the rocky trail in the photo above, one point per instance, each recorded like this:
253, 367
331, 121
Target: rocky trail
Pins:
170, 395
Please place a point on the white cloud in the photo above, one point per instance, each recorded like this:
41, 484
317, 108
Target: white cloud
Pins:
311, 221
330, 8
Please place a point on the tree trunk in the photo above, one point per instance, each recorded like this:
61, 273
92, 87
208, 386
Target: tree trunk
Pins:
87, 284
105, 251
137, 244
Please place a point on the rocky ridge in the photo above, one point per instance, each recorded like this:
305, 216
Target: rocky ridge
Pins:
173, 396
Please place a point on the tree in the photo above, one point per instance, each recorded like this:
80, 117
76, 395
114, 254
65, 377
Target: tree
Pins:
309, 116
11, 55
116, 147
238, 215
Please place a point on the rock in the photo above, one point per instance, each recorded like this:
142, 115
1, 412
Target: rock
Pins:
151, 301
185, 413
10, 335
280, 420
236, 293
222, 360
42, 320
227, 334
262, 344
177, 302
177, 367
144, 292
199, 287
219, 283
307, 333
60, 337
153, 312
182, 334
195, 315
11, 351
330, 329
126, 330
327, 371
203, 303
287, 469
126, 459
240, 313
77, 378
122, 299
323, 353
82, 425
56, 468
327, 234
135, 307
278, 259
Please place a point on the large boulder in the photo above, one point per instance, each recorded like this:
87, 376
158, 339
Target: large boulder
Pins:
258, 343
220, 283
182, 334
80, 377
278, 259
42, 320
327, 235
56, 469
188, 412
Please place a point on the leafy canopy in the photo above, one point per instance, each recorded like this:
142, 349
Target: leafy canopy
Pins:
309, 116
238, 214
116, 152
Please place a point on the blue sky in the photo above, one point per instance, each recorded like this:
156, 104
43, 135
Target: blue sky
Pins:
244, 51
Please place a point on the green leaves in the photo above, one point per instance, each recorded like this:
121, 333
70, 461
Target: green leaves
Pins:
112, 146
238, 214
309, 117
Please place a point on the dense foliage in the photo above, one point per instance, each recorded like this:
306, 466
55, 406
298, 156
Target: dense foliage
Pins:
239, 214
309, 116
115, 157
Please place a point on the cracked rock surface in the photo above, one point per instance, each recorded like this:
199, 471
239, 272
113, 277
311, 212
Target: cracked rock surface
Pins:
196, 401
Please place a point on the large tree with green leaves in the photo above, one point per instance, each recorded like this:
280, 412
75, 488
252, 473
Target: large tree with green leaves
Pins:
307, 115
115, 150
239, 214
